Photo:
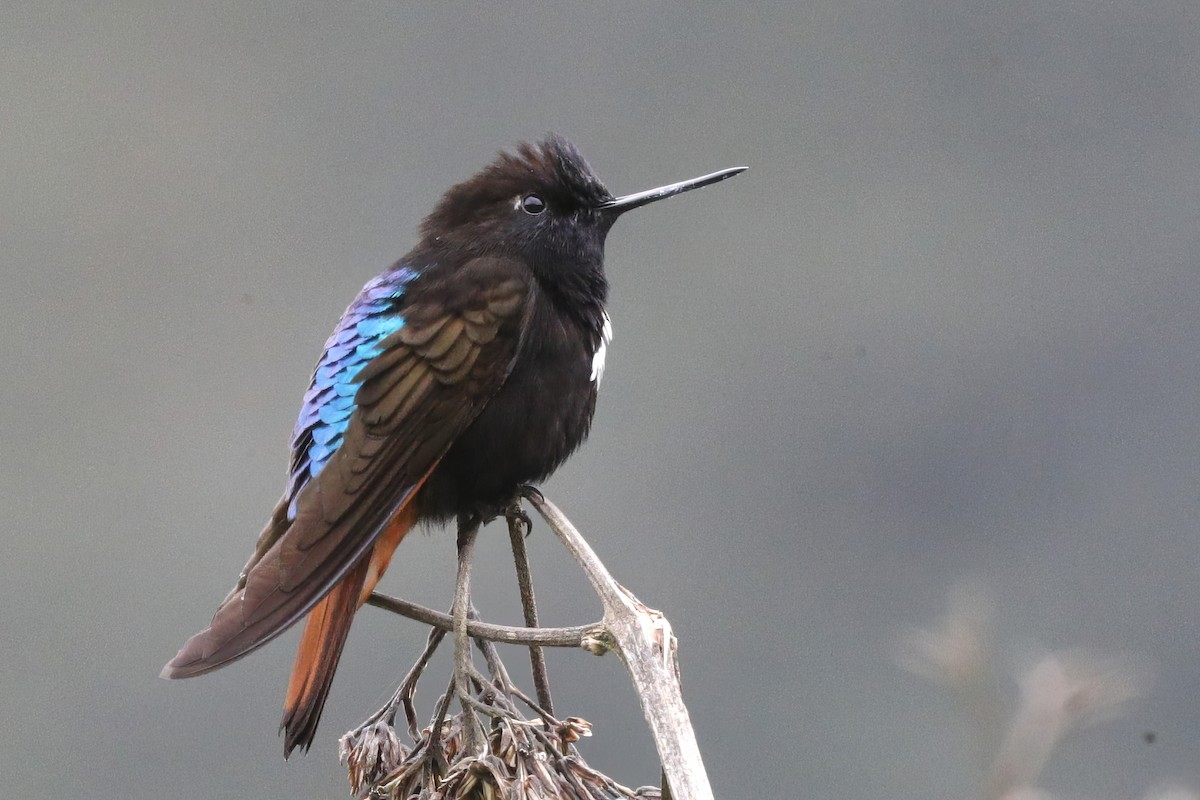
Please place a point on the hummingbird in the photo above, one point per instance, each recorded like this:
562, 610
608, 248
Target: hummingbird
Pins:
467, 369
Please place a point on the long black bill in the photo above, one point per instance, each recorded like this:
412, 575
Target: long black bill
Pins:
620, 205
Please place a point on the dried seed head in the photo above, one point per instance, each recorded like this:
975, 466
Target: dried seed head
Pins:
573, 729
522, 758
370, 753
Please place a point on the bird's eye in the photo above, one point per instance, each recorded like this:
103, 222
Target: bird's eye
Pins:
532, 204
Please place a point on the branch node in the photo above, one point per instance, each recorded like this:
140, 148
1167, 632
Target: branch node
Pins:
597, 641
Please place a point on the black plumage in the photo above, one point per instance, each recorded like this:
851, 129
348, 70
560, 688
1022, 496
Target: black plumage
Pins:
468, 368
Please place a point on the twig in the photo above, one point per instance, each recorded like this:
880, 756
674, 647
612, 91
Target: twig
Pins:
547, 719
643, 639
408, 687
496, 667
545, 637
434, 742
518, 523
468, 530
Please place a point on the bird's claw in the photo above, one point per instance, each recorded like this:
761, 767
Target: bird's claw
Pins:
514, 513
531, 492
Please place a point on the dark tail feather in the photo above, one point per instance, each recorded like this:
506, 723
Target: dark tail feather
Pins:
325, 635
320, 650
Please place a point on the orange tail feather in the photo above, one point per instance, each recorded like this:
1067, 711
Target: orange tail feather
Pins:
325, 633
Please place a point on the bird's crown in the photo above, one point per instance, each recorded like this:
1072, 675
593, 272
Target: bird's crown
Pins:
553, 168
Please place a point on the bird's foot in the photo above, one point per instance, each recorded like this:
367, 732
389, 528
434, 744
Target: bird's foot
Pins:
515, 515
530, 492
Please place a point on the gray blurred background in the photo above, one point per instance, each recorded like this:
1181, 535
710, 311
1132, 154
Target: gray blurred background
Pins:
945, 326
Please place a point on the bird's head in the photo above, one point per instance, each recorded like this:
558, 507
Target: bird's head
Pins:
544, 204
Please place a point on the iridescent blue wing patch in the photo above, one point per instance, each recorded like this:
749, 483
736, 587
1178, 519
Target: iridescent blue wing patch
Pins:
329, 402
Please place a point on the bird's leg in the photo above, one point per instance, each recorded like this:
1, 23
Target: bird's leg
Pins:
468, 530
519, 526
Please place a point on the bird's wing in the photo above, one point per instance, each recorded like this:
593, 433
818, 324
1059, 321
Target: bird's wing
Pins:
421, 363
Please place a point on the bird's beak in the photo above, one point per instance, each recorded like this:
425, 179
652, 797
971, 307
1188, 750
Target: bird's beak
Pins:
620, 205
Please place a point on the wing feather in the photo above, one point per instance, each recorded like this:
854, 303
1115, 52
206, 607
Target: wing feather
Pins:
416, 385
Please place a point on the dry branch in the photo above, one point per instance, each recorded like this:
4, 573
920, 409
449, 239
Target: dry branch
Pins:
450, 757
643, 638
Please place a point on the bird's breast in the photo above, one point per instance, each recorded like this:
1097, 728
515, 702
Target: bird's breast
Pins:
539, 416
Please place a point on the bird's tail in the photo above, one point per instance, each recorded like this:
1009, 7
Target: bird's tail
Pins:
325, 633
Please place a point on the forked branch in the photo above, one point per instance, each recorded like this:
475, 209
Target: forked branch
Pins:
643, 639
641, 636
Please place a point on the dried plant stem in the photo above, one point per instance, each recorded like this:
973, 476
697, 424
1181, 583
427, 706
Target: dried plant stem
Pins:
408, 687
496, 667
434, 742
517, 527
640, 635
545, 637
468, 530
643, 639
